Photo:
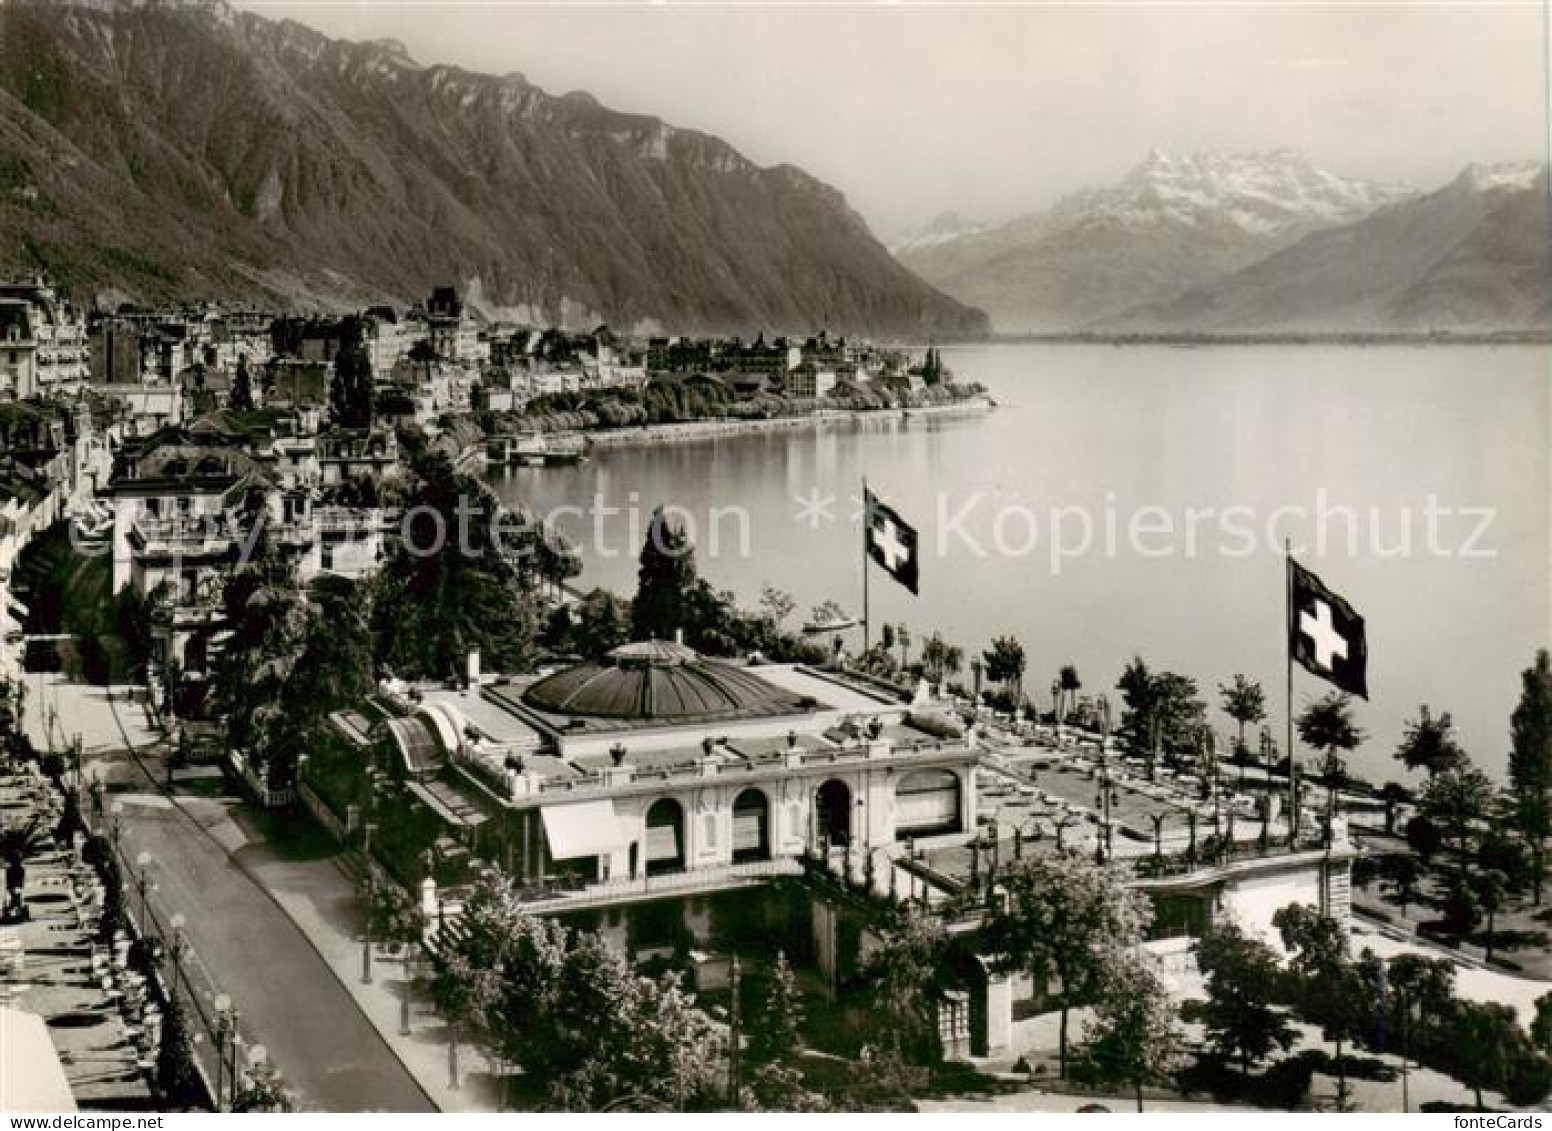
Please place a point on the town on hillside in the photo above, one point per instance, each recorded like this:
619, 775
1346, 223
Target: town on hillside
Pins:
308, 804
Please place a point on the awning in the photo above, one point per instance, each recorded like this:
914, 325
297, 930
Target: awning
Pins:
31, 1076
586, 828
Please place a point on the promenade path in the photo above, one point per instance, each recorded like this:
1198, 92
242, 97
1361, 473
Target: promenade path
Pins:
330, 1055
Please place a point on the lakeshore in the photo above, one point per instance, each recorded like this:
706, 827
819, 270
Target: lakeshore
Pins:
693, 430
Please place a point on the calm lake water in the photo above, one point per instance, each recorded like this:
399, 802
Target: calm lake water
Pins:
1125, 501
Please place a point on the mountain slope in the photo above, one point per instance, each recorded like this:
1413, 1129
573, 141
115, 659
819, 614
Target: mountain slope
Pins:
1471, 256
1170, 224
176, 149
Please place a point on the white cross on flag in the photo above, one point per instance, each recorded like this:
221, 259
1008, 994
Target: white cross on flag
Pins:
891, 542
1325, 635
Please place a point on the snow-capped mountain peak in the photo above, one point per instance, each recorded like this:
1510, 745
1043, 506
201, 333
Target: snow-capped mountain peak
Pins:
1263, 194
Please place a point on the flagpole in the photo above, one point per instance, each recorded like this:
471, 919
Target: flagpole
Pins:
867, 519
1293, 793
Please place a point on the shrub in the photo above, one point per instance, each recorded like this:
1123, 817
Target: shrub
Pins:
1286, 1084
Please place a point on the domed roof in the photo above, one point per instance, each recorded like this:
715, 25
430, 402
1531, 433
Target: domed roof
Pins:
659, 681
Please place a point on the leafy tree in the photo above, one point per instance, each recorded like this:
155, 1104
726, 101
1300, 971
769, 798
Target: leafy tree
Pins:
940, 658
1423, 990
570, 1011
1069, 684
1162, 716
1491, 888
1327, 725
1134, 1039
454, 583
667, 583
241, 397
1530, 763
177, 1079
1429, 744
1404, 873
1541, 1024
1004, 664
903, 983
1462, 907
776, 1032
1067, 918
1487, 1038
1456, 800
1245, 702
1329, 989
1243, 976
777, 604
602, 623
1424, 837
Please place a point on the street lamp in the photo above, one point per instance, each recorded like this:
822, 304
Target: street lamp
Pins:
226, 1030
142, 877
176, 949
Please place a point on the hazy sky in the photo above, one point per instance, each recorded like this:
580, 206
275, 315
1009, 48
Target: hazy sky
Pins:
995, 110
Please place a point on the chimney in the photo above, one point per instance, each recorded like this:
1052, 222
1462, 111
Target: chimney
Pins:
679, 636
472, 671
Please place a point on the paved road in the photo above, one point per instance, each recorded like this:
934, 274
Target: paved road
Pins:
328, 1053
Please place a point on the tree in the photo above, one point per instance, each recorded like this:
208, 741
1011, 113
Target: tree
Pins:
1163, 716
1404, 873
1245, 703
241, 397
1456, 800
177, 1078
1243, 976
1530, 763
1066, 918
350, 391
602, 623
940, 658
1423, 989
1327, 725
777, 604
1424, 838
903, 983
666, 581
1541, 1024
776, 1031
1429, 744
457, 581
1394, 795
1069, 684
1329, 989
1004, 664
1491, 888
1134, 1039
1487, 1038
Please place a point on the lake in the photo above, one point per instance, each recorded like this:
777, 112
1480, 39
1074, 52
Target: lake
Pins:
1133, 500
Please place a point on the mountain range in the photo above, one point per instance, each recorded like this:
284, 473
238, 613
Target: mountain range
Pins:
173, 149
1255, 243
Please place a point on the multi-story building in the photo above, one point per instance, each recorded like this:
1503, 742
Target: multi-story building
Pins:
60, 361
18, 349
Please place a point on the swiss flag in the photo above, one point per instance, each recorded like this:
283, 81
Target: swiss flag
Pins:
1325, 635
891, 542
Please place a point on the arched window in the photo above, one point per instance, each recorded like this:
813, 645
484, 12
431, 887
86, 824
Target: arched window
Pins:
751, 826
665, 837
